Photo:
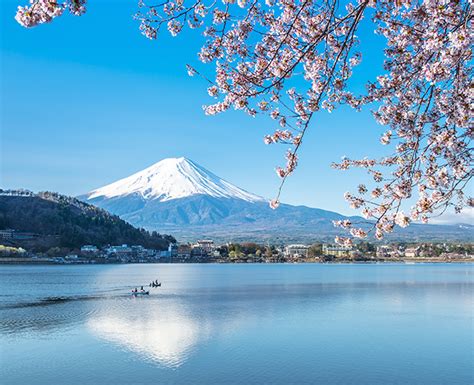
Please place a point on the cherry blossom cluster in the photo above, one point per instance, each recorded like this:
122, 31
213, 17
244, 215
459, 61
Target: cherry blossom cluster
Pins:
425, 98
44, 11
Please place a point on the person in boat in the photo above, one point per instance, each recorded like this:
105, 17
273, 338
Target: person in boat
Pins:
141, 289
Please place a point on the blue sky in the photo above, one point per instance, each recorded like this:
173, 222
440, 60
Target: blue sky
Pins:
88, 100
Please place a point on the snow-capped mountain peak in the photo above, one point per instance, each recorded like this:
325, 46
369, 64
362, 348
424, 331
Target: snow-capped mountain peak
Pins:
173, 178
179, 197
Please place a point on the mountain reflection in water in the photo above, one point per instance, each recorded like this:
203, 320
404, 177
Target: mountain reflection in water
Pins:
164, 334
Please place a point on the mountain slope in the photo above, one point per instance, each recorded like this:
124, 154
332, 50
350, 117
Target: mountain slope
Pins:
71, 223
201, 210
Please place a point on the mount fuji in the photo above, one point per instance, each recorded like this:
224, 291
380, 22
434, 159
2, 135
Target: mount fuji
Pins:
173, 178
178, 196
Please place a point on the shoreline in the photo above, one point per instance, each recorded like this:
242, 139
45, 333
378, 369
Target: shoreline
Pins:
342, 262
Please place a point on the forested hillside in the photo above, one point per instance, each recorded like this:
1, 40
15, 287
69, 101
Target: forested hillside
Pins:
71, 222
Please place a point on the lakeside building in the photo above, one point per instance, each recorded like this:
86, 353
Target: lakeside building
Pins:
388, 251
206, 244
216, 254
89, 249
141, 253
198, 253
383, 251
456, 256
411, 252
184, 252
172, 251
119, 250
296, 251
337, 250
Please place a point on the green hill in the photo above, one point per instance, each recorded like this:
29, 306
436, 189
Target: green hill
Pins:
62, 221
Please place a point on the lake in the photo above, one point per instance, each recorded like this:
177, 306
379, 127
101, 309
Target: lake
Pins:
237, 324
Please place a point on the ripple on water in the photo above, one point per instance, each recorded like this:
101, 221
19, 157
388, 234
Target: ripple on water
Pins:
51, 313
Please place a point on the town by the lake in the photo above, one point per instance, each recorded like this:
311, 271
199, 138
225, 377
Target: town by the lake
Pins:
208, 251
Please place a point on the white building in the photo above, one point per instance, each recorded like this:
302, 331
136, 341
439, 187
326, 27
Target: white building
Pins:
205, 244
388, 251
411, 252
123, 249
337, 250
295, 251
89, 249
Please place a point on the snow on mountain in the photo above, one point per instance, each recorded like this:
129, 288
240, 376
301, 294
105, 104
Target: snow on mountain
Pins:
173, 178
177, 196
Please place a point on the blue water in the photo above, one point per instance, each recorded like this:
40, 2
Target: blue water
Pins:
237, 324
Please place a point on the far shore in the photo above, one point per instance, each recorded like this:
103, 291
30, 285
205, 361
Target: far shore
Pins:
28, 261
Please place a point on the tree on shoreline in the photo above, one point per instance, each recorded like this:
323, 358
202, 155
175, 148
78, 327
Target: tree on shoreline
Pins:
290, 59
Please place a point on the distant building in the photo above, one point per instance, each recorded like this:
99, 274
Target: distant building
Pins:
206, 244
6, 234
119, 250
456, 256
142, 253
198, 253
216, 254
296, 251
387, 251
411, 252
337, 250
89, 249
184, 251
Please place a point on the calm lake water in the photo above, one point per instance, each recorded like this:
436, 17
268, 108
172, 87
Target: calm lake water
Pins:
237, 324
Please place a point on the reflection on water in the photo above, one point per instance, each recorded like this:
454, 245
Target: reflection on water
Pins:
165, 334
158, 327
239, 325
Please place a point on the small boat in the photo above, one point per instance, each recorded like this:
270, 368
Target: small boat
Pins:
137, 293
